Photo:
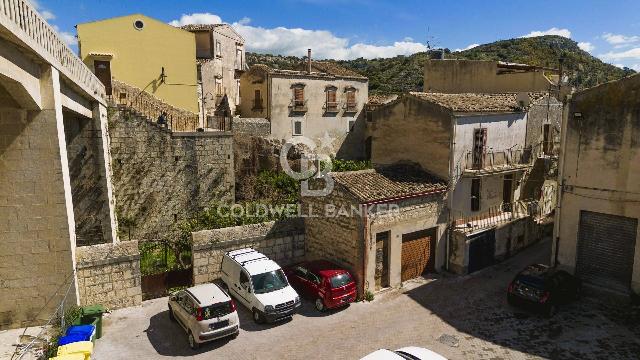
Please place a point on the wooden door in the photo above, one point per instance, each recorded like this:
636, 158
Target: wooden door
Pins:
418, 253
382, 260
103, 73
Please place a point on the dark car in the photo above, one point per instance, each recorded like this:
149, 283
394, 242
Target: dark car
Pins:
327, 284
543, 288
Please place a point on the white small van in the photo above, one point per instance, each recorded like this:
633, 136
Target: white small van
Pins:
259, 284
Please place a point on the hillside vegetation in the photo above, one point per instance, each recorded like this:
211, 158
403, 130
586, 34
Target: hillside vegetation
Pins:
404, 73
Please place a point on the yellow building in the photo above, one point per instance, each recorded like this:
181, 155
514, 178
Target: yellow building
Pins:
143, 52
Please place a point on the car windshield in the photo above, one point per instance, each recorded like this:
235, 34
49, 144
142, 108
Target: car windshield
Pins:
340, 280
269, 281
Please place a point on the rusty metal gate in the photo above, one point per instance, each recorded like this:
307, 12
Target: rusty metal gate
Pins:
418, 253
606, 247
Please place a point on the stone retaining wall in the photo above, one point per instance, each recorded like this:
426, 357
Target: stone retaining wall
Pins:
282, 241
161, 178
109, 274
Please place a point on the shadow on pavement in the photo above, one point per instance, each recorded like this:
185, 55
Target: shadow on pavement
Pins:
169, 339
476, 305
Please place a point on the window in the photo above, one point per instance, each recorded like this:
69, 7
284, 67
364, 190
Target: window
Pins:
204, 46
218, 48
331, 104
369, 116
352, 106
298, 97
298, 103
475, 194
269, 281
340, 280
199, 73
244, 280
297, 127
138, 24
368, 147
479, 145
546, 139
239, 62
257, 100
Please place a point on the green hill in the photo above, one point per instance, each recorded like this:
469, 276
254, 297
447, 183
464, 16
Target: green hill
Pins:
404, 73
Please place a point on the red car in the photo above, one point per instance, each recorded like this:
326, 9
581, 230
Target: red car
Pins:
326, 283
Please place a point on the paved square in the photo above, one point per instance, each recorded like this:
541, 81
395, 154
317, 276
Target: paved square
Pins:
459, 317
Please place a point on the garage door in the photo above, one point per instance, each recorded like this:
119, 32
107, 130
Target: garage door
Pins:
418, 253
606, 245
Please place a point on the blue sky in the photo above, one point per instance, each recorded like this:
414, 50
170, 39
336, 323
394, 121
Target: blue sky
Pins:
346, 29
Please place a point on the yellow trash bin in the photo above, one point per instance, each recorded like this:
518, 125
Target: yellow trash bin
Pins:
81, 347
70, 357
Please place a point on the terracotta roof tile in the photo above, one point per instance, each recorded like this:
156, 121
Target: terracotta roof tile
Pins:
477, 102
195, 27
391, 182
322, 71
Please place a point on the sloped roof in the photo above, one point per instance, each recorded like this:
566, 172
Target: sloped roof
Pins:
381, 99
478, 102
333, 69
391, 182
319, 69
196, 27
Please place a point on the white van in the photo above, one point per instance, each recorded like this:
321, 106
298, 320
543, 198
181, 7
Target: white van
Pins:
259, 284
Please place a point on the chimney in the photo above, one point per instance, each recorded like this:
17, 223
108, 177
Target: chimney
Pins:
309, 61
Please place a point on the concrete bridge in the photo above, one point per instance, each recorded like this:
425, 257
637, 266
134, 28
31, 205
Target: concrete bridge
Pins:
55, 183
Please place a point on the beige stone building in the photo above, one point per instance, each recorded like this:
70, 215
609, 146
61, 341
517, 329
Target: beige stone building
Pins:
485, 76
386, 226
596, 229
55, 175
221, 61
323, 102
477, 143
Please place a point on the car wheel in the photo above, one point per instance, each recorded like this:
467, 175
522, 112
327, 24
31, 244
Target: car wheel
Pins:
551, 310
192, 342
320, 305
257, 317
171, 316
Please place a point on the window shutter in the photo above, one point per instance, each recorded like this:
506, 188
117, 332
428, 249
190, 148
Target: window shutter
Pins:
351, 97
298, 94
297, 128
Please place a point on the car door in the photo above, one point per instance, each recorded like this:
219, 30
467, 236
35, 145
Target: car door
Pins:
313, 284
299, 280
242, 288
181, 312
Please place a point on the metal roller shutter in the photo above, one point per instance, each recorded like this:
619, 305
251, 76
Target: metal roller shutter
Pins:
606, 245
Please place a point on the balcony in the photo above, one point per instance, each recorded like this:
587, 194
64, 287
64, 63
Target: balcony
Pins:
351, 107
496, 216
298, 106
331, 107
496, 161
